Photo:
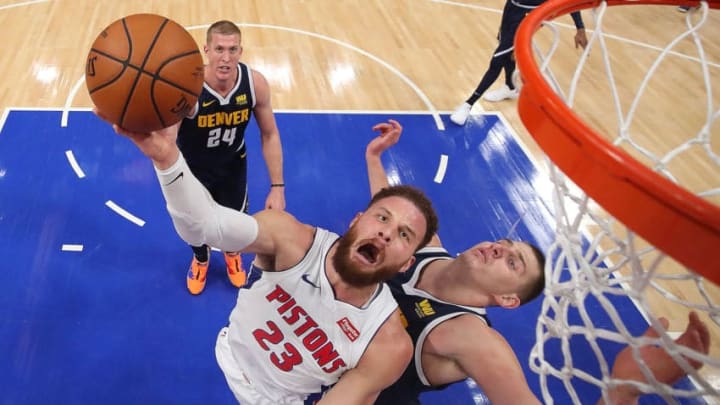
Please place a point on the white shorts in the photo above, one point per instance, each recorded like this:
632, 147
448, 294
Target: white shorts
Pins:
239, 383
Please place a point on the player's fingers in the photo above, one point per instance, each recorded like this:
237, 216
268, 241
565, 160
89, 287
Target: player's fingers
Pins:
396, 125
100, 115
702, 330
381, 126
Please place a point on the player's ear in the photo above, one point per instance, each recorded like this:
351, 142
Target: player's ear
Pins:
507, 301
407, 265
355, 219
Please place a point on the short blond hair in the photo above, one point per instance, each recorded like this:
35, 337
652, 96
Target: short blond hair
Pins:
223, 27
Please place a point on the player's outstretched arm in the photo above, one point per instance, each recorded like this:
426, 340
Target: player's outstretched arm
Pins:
658, 361
198, 219
493, 364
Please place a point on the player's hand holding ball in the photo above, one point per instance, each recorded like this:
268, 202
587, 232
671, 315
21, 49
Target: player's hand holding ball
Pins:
144, 72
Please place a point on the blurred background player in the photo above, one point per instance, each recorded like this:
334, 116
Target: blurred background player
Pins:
212, 139
503, 58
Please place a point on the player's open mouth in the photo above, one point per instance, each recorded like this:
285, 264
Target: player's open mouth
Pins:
369, 252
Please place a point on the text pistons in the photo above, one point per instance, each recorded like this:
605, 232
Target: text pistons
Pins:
314, 339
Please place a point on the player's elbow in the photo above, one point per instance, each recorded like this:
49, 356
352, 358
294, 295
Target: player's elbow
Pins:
191, 230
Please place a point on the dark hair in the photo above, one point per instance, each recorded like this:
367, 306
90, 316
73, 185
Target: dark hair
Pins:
222, 27
419, 199
536, 286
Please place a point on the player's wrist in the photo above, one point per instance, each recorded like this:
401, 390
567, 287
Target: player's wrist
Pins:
167, 160
277, 185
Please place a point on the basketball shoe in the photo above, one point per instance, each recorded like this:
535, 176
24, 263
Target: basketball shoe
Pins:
503, 93
235, 271
460, 115
197, 275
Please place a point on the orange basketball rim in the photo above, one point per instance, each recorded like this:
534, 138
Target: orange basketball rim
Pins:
673, 219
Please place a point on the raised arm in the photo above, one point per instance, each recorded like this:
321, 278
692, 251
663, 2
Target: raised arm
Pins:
580, 37
389, 135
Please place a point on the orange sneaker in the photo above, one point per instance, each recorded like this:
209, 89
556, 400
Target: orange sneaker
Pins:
197, 275
235, 271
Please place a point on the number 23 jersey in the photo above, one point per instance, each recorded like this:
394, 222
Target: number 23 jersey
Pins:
289, 334
215, 134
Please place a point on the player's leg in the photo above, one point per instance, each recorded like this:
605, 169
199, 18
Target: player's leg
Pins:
232, 193
507, 38
511, 15
197, 274
241, 387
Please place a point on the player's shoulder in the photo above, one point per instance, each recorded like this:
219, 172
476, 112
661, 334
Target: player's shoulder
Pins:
460, 334
463, 324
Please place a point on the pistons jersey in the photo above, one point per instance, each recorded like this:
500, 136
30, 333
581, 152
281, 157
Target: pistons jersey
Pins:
215, 133
291, 338
421, 313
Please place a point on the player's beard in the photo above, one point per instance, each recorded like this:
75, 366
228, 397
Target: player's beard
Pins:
350, 272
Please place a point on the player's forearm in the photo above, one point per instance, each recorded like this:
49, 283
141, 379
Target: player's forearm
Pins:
577, 19
272, 153
198, 219
376, 173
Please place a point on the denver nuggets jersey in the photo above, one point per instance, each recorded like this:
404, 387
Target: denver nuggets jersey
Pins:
215, 134
422, 313
290, 337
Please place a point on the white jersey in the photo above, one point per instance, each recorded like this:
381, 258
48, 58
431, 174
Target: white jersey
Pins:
289, 336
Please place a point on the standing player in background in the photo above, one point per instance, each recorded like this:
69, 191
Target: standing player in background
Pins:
503, 58
443, 299
212, 139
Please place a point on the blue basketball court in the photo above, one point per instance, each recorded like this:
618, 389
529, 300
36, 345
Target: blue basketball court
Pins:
95, 308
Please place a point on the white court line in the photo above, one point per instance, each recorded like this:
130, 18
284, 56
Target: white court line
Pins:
120, 211
71, 248
69, 100
453, 3
4, 116
73, 163
442, 167
24, 3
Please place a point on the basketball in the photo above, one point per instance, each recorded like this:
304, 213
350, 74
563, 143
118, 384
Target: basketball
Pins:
144, 72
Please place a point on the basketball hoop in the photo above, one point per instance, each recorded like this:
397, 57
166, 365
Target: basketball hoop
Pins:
679, 223
631, 218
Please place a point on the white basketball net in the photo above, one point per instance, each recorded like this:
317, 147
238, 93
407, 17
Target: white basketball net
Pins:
595, 259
